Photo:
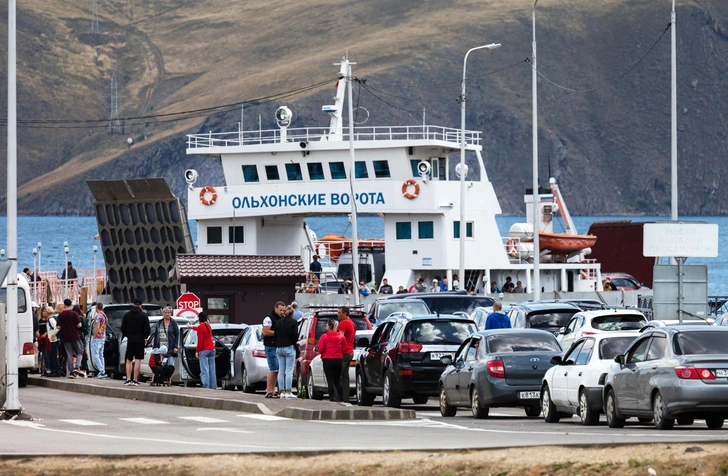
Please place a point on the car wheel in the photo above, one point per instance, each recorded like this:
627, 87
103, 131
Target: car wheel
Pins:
478, 410
446, 409
312, 392
714, 423
533, 411
363, 398
300, 384
611, 409
662, 422
390, 396
588, 416
247, 388
420, 399
685, 421
550, 415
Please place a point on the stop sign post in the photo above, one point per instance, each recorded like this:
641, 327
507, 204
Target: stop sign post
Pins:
188, 305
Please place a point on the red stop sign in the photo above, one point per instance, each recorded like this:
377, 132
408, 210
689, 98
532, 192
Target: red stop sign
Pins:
188, 301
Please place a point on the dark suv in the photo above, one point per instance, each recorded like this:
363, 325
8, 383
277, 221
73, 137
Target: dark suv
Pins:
450, 302
382, 308
404, 357
547, 316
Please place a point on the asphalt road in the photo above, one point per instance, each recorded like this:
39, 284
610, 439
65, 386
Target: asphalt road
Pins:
70, 423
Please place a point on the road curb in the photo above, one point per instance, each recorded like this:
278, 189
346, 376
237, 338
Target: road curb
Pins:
354, 413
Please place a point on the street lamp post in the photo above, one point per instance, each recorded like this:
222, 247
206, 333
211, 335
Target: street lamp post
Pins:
673, 61
96, 248
534, 196
35, 283
463, 170
39, 255
65, 270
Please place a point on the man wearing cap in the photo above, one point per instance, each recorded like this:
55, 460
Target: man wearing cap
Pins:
69, 322
296, 313
135, 327
435, 286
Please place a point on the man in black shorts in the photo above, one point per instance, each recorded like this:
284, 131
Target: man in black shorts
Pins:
135, 327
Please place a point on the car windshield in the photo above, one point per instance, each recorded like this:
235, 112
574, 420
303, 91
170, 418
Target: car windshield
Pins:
702, 342
451, 305
116, 313
619, 322
438, 332
522, 343
550, 319
614, 346
413, 307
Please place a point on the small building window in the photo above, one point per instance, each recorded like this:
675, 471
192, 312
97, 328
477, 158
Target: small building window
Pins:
271, 172
237, 235
293, 172
425, 230
338, 171
250, 173
315, 171
360, 169
468, 229
214, 235
381, 169
414, 163
404, 230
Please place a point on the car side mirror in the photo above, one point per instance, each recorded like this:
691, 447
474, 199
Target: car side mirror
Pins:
619, 359
563, 331
362, 342
446, 359
556, 359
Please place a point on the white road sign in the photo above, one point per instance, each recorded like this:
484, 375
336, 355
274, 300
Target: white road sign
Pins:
680, 240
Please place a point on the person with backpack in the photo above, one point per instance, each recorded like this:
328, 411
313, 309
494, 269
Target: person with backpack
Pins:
205, 352
50, 347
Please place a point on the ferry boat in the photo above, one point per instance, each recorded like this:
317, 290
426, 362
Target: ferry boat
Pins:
275, 179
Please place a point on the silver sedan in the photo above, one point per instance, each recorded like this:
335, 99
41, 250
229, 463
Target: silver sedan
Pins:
248, 365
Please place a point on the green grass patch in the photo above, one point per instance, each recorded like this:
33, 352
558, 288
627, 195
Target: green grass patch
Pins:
563, 465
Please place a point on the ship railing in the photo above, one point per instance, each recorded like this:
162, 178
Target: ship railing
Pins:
328, 283
52, 289
314, 134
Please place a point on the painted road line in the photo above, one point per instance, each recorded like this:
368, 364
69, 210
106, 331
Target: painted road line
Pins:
144, 421
228, 430
203, 419
264, 417
83, 422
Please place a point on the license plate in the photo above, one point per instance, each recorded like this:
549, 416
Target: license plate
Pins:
529, 395
439, 355
721, 373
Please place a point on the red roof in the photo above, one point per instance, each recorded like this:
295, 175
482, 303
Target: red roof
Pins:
227, 266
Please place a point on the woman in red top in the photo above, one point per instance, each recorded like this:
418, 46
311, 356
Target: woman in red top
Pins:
205, 352
331, 347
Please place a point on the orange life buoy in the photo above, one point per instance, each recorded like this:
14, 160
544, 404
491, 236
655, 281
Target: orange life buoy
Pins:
312, 283
213, 195
512, 247
406, 185
584, 272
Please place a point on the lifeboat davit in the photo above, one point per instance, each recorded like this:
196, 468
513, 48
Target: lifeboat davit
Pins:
563, 244
335, 245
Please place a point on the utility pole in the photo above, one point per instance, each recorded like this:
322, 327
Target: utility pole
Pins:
95, 17
114, 127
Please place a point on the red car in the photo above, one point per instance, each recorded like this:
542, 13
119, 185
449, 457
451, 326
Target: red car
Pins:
310, 328
623, 281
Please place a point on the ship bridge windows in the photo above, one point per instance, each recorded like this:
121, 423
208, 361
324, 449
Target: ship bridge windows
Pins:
293, 172
236, 234
214, 235
404, 230
456, 229
437, 168
315, 171
338, 171
360, 169
271, 172
425, 230
250, 173
381, 169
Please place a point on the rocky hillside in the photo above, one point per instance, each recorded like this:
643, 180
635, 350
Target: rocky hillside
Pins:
609, 147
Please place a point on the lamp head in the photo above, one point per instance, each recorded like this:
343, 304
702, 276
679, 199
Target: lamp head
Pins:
191, 176
283, 116
35, 251
96, 248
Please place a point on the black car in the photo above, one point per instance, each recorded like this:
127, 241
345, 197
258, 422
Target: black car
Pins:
550, 316
223, 335
449, 302
382, 308
404, 357
498, 368
583, 304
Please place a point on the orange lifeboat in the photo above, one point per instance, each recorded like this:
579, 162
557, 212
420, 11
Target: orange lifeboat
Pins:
563, 244
335, 245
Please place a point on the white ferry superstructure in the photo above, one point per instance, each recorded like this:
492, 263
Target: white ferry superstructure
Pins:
277, 178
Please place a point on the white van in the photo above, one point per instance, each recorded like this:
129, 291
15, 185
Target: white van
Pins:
26, 359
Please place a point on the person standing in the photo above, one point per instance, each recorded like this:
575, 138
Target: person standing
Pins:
497, 319
53, 331
269, 343
297, 315
444, 285
519, 288
98, 339
348, 330
286, 334
205, 352
363, 289
315, 267
166, 333
508, 286
435, 286
494, 289
72, 274
420, 286
135, 327
385, 288
331, 347
401, 290
70, 324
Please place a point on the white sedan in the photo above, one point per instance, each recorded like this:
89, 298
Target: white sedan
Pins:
574, 384
594, 322
318, 387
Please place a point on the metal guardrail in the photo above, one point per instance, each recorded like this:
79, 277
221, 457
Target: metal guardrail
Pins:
315, 134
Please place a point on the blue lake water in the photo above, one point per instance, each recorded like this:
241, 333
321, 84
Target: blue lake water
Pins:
79, 232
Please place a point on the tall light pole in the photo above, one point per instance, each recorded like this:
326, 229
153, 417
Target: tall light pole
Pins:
535, 196
33, 274
96, 248
673, 202
463, 170
39, 255
65, 270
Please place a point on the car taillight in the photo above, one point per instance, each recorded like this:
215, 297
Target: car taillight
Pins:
691, 373
28, 348
409, 347
312, 340
496, 369
259, 354
405, 372
352, 363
